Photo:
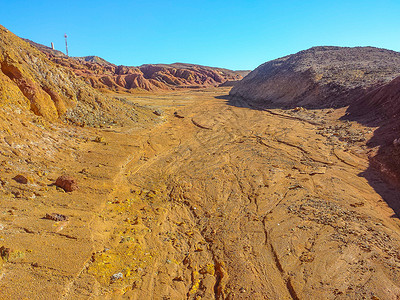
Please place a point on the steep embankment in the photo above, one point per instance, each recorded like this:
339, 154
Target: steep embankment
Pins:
29, 79
150, 77
381, 107
319, 77
380, 104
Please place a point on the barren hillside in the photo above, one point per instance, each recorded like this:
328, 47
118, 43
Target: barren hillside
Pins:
34, 83
319, 77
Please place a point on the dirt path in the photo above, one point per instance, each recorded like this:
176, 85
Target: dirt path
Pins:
230, 202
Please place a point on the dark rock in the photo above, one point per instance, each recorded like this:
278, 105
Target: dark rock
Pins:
5, 253
67, 183
21, 179
157, 112
99, 139
3, 182
176, 114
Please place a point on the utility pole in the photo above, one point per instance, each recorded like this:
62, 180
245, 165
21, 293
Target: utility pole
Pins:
66, 44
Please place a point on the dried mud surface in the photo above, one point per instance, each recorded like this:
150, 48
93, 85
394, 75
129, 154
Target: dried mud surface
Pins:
217, 201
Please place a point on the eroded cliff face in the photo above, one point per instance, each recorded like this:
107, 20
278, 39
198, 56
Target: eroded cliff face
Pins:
319, 77
150, 77
380, 104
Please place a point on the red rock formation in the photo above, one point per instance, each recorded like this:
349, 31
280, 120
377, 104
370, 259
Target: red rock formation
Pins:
151, 77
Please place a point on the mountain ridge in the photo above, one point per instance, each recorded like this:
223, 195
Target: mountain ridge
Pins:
104, 75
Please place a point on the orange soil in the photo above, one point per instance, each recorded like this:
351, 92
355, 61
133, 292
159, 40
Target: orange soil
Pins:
225, 203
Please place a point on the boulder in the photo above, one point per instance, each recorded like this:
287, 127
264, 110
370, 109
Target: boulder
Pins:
67, 183
21, 179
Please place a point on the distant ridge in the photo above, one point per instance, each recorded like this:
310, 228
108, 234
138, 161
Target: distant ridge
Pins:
94, 59
104, 75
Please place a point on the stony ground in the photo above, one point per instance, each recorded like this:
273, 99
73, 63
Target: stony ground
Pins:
217, 201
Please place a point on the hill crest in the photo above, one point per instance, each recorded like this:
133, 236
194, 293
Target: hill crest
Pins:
324, 76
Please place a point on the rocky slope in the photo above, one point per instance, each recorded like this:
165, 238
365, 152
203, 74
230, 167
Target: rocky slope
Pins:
365, 78
150, 77
37, 101
319, 77
29, 80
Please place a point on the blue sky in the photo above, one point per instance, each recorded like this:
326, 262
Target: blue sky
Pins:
231, 34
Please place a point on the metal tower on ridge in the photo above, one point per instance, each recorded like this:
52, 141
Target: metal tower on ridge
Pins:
66, 44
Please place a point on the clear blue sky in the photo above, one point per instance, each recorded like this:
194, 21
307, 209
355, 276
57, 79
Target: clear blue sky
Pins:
231, 34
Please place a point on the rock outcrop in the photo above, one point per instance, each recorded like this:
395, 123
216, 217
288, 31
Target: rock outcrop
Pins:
319, 77
150, 77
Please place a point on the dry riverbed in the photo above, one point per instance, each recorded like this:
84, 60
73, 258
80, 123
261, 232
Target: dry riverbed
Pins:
204, 199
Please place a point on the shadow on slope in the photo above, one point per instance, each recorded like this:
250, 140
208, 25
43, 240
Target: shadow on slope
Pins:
381, 108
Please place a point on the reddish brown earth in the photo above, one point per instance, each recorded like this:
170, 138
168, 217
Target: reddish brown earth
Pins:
154, 77
379, 105
203, 199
